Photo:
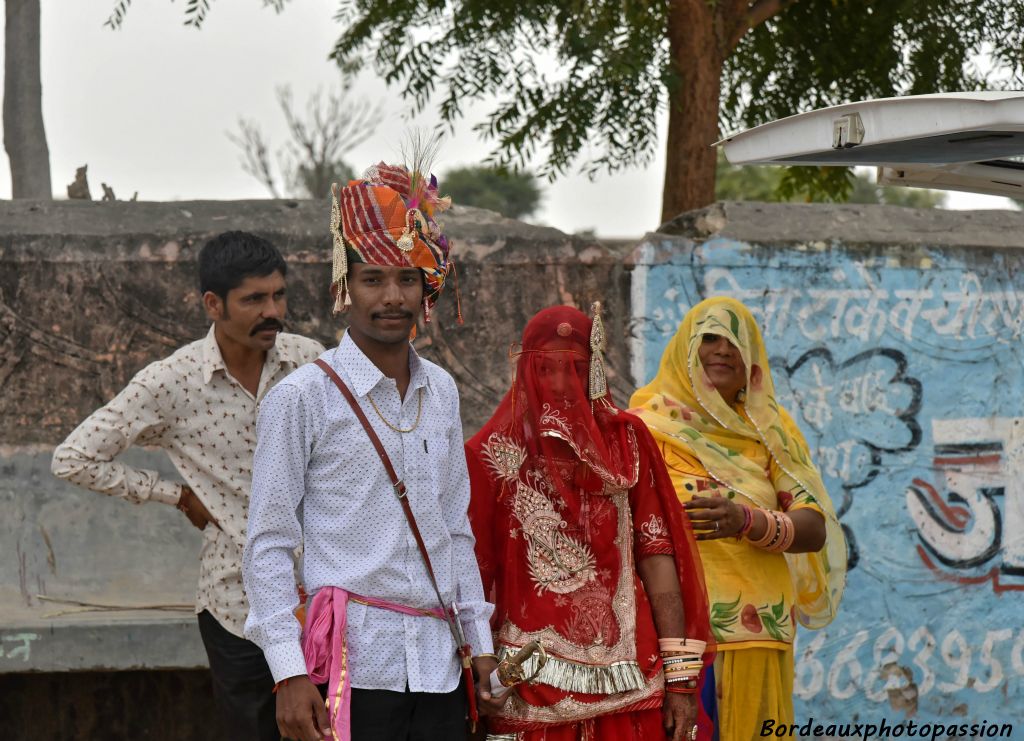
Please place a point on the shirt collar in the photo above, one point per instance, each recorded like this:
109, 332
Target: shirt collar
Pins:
365, 376
277, 356
212, 359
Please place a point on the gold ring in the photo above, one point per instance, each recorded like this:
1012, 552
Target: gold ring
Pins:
693, 733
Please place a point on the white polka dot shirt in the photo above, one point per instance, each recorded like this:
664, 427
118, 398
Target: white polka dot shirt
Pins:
189, 405
317, 480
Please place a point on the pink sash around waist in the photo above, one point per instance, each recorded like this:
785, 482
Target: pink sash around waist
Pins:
326, 652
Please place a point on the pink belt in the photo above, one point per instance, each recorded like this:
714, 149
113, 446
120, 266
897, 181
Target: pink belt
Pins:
326, 652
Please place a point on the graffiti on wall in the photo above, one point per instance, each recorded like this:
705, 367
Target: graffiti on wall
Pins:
861, 410
904, 374
969, 519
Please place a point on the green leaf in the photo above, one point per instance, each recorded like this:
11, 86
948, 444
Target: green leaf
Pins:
734, 323
725, 607
772, 627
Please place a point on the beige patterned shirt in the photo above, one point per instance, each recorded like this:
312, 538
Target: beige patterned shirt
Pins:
189, 405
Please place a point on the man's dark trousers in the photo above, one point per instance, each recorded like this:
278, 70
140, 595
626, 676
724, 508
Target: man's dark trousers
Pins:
409, 716
242, 683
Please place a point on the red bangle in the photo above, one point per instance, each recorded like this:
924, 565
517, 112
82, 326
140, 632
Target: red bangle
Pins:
748, 521
282, 683
681, 690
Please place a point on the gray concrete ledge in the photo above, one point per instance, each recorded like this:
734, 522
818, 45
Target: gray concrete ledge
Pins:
137, 639
852, 223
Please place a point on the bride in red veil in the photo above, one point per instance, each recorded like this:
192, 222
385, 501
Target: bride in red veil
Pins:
584, 547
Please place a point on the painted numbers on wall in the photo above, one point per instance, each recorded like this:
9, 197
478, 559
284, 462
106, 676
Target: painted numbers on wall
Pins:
895, 667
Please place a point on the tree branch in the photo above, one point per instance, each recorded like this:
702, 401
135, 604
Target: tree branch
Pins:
752, 17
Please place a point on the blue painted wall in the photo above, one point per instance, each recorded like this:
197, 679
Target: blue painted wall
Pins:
904, 368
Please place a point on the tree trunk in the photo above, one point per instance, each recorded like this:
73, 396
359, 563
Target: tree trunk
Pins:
24, 136
693, 98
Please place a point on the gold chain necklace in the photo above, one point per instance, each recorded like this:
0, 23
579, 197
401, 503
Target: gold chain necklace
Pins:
419, 412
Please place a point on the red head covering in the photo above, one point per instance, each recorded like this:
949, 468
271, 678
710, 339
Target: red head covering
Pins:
548, 406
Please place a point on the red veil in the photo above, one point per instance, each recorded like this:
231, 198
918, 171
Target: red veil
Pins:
548, 433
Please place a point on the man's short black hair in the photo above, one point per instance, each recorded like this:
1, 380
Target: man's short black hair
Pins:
229, 258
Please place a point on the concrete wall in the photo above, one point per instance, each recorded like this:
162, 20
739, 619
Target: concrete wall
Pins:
895, 338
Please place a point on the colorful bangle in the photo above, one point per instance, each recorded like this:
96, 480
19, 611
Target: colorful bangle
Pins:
672, 660
682, 645
688, 656
776, 532
682, 686
791, 536
681, 690
759, 514
787, 535
779, 532
772, 532
682, 671
779, 539
748, 521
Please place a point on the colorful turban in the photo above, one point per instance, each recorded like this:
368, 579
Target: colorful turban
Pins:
387, 218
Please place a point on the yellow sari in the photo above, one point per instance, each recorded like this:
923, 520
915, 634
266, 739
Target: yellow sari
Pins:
751, 452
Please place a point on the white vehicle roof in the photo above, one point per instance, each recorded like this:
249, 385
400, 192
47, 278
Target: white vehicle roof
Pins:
972, 141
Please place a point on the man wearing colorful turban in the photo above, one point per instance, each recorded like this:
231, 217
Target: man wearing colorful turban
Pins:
384, 622
388, 218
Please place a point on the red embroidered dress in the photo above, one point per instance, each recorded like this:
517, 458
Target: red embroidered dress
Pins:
568, 495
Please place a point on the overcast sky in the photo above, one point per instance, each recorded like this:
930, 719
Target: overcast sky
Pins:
148, 108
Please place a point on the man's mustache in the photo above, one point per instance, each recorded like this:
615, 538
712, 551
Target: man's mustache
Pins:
392, 315
269, 324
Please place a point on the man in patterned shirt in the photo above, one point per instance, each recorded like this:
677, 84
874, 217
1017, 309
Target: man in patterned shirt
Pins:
200, 406
371, 631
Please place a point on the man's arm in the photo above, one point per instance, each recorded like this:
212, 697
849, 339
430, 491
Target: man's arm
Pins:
475, 611
284, 431
88, 456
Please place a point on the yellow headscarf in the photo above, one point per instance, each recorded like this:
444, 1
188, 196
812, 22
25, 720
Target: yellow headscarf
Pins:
683, 409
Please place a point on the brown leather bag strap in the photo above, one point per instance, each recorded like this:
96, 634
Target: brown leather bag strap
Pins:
377, 444
399, 486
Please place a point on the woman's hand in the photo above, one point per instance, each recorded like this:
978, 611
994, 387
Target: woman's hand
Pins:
679, 713
715, 517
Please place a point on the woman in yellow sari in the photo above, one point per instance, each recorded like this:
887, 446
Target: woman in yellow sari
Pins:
772, 548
